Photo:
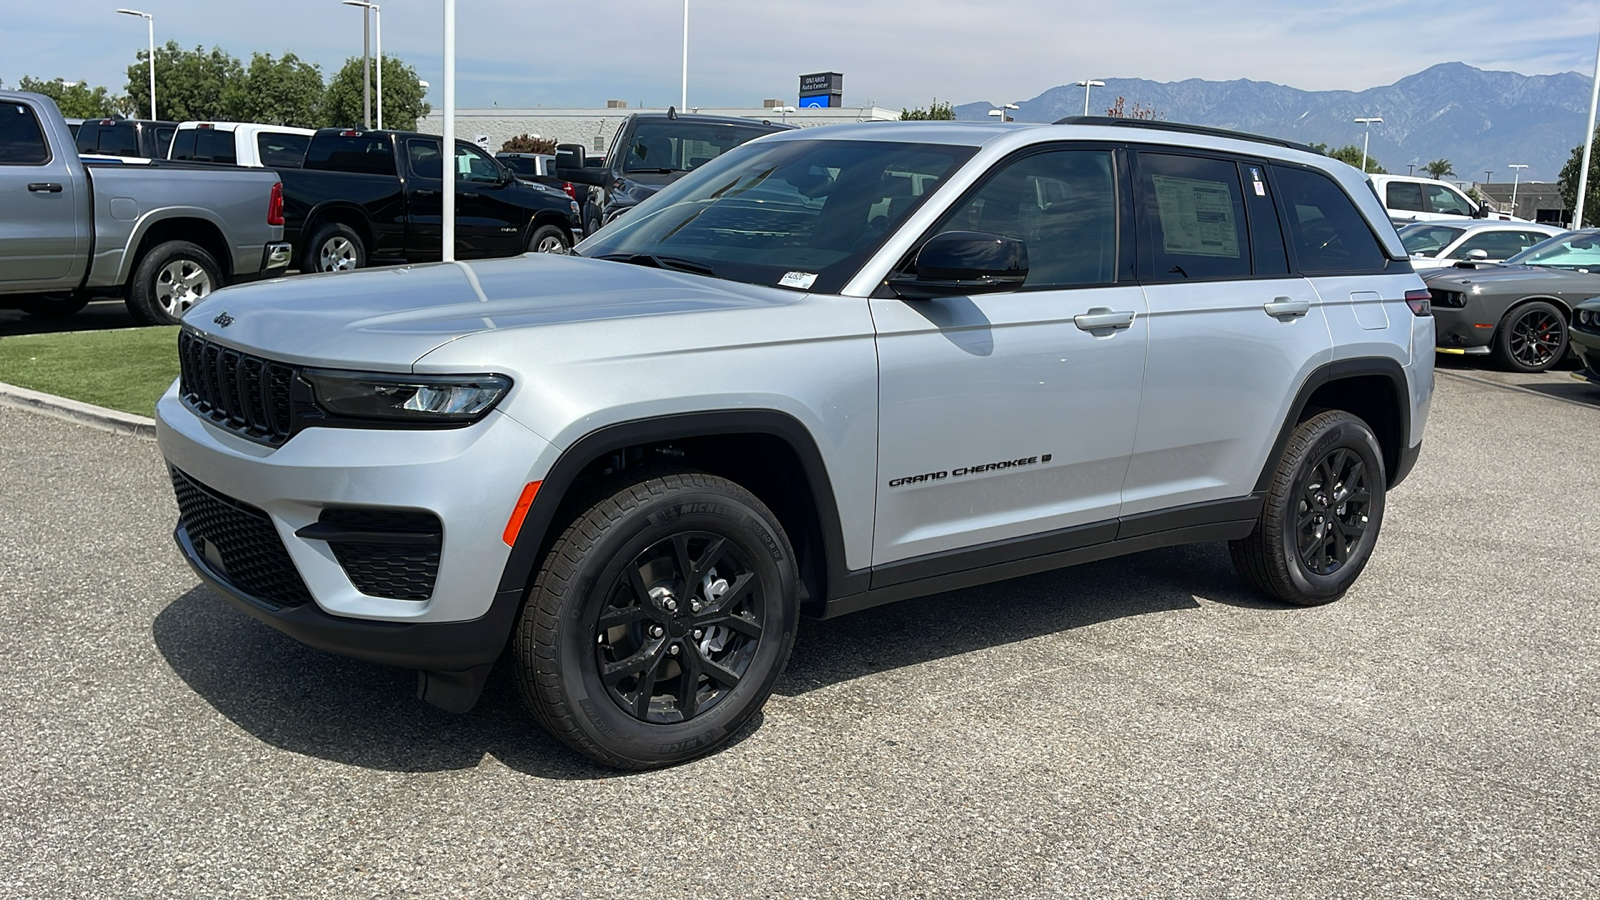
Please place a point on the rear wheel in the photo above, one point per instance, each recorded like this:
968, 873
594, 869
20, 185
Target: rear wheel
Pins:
548, 239
659, 621
1531, 338
335, 247
1322, 514
170, 279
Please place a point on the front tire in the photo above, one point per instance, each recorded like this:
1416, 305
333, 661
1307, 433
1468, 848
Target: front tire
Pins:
659, 621
171, 278
1531, 338
1322, 514
548, 239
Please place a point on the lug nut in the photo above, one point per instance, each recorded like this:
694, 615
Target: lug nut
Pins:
698, 634
673, 650
656, 631
672, 606
694, 605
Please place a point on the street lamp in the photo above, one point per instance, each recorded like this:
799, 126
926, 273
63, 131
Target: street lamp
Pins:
151, 20
1516, 171
366, 74
1086, 85
784, 111
1001, 111
683, 101
1367, 121
447, 223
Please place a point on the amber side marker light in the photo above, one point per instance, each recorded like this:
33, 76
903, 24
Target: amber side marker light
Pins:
521, 512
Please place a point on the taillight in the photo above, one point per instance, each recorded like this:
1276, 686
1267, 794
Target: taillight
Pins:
1421, 303
571, 191
275, 205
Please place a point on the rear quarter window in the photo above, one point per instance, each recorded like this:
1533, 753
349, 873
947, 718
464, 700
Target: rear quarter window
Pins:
1328, 234
21, 138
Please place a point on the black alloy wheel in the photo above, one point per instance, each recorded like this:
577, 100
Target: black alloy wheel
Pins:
679, 627
1532, 338
1332, 510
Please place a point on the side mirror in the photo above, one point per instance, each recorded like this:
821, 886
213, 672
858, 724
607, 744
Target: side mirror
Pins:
1477, 254
569, 156
956, 263
1480, 212
573, 165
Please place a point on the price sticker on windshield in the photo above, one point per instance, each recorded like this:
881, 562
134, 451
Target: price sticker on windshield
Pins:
801, 280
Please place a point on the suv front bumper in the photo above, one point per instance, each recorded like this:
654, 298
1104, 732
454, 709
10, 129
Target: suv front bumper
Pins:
470, 478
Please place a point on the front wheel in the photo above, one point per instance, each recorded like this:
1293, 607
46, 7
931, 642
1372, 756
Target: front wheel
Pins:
1321, 517
659, 621
548, 239
1531, 338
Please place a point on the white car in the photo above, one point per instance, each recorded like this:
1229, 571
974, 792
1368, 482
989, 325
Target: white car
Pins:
1437, 245
241, 144
1412, 199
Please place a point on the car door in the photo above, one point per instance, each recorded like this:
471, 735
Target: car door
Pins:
424, 198
44, 240
1232, 332
1446, 202
1010, 416
1496, 245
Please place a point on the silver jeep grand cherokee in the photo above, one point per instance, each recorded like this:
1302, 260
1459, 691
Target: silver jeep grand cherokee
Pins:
830, 369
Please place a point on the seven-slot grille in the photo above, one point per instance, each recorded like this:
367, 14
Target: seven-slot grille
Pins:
244, 538
245, 394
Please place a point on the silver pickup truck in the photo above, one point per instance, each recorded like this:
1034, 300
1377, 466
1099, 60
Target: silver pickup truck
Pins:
161, 236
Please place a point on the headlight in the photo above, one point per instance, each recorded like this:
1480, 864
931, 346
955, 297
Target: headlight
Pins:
406, 398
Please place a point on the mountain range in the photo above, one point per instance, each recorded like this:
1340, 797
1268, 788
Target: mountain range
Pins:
1479, 120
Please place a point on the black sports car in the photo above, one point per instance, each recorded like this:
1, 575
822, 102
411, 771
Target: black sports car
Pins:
1517, 310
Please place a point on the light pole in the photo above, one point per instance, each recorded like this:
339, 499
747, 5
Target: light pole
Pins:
1516, 171
151, 20
377, 25
784, 111
1001, 111
447, 221
1086, 85
1366, 141
1588, 143
683, 101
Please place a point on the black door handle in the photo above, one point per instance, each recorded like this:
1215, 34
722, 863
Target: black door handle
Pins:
45, 187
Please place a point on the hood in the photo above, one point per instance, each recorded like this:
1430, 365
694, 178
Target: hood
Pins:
389, 318
1495, 276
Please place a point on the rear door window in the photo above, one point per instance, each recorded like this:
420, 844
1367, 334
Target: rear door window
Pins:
21, 138
282, 151
1404, 195
1192, 218
1496, 244
1327, 231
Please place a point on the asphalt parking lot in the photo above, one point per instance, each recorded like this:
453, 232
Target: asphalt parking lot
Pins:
1141, 727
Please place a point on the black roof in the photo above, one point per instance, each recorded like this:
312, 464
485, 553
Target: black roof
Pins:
1157, 125
673, 115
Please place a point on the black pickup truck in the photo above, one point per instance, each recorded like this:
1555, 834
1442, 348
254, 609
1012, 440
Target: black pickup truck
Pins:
367, 197
649, 152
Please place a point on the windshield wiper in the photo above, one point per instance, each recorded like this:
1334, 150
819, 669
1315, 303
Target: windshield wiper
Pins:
661, 262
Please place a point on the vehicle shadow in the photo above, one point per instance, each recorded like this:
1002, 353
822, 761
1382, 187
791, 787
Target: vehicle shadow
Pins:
921, 630
100, 315
306, 701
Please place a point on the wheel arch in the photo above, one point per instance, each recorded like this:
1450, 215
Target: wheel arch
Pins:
549, 217
1373, 389
196, 229
342, 212
769, 452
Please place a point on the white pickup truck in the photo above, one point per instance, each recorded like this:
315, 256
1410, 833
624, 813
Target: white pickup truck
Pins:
241, 144
162, 236
1411, 199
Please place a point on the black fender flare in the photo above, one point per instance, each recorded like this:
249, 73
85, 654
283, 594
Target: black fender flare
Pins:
534, 534
1341, 370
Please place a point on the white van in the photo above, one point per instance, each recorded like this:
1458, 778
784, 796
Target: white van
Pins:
241, 144
1412, 199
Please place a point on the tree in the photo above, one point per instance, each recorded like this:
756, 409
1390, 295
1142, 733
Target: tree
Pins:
402, 96
1350, 154
1118, 110
285, 91
76, 100
1569, 185
1439, 169
527, 143
190, 84
936, 112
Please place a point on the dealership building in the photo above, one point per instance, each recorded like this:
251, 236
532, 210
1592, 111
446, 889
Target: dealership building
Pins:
820, 102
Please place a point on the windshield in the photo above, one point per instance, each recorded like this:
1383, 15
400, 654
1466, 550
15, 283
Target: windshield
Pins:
1427, 238
1573, 250
802, 214
677, 146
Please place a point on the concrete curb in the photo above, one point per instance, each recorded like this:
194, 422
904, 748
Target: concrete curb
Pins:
77, 411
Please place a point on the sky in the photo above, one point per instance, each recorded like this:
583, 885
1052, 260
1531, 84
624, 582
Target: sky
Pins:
893, 53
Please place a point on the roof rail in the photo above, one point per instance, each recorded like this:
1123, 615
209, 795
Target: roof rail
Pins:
1123, 122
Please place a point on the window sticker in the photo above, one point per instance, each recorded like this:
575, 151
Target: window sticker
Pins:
1196, 217
801, 280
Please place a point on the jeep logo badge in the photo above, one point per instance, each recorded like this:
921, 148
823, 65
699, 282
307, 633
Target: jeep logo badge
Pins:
223, 319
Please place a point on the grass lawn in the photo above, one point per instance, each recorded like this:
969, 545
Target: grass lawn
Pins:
127, 369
